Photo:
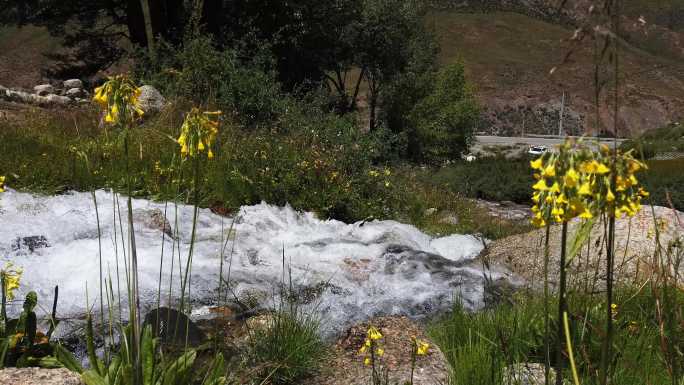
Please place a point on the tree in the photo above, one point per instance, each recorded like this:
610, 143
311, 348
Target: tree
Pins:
94, 31
385, 44
444, 121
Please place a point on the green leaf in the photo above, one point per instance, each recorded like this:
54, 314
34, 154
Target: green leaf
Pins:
91, 377
147, 352
215, 375
580, 238
113, 369
67, 359
49, 362
175, 373
90, 345
4, 346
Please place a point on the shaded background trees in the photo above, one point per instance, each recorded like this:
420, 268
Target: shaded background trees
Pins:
245, 55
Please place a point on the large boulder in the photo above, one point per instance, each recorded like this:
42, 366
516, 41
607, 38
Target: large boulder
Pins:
150, 100
171, 327
72, 83
635, 246
44, 89
39, 376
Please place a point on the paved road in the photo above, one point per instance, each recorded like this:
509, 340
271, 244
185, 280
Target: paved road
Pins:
548, 141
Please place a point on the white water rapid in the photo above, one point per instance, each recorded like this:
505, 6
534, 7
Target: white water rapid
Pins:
354, 271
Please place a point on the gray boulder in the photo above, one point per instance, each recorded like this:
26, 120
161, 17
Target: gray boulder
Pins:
150, 100
58, 100
39, 376
44, 89
72, 83
74, 92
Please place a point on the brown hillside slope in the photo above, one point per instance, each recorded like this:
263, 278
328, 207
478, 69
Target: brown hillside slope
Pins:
509, 55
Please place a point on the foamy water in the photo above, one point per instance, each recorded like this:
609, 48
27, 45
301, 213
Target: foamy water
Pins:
354, 271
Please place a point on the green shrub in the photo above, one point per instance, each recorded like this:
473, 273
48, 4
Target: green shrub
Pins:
204, 74
495, 179
653, 142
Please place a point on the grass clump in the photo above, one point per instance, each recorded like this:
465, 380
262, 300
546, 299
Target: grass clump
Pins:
479, 345
285, 348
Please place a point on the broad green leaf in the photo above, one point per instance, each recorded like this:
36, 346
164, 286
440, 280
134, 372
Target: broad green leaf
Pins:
67, 359
580, 238
147, 352
90, 377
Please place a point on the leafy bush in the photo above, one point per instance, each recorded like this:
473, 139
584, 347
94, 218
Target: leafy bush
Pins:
200, 72
445, 119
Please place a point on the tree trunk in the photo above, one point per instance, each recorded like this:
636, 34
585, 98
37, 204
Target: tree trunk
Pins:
149, 32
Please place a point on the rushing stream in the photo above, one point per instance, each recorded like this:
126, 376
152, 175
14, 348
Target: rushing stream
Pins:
349, 272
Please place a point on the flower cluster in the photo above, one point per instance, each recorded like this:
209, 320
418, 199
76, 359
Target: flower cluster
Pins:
576, 182
2, 183
198, 132
370, 348
119, 98
11, 276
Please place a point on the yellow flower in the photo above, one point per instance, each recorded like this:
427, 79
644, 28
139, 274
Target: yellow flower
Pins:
198, 132
549, 171
536, 164
555, 188
363, 349
367, 361
610, 197
535, 197
584, 189
100, 97
602, 169
2, 183
374, 333
380, 352
12, 278
422, 348
571, 177
586, 214
633, 166
538, 222
540, 185
117, 95
643, 192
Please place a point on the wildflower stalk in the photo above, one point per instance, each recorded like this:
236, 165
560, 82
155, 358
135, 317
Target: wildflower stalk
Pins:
562, 304
571, 356
606, 352
547, 347
134, 296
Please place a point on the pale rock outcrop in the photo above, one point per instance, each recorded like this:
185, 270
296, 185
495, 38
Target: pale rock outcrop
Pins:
72, 83
150, 100
39, 376
44, 89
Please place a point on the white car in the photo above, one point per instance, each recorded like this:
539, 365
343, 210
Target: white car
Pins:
537, 150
